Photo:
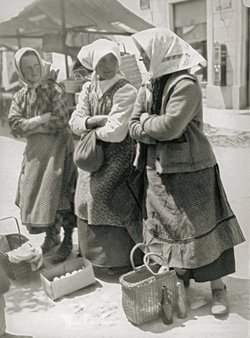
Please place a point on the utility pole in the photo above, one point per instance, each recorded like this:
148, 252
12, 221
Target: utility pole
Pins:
64, 34
19, 45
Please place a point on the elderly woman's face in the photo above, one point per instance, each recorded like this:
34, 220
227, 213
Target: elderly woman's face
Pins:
30, 68
107, 67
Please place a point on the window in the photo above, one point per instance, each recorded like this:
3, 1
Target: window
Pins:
144, 4
192, 26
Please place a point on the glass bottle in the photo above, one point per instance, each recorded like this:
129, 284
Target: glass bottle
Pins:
167, 306
181, 301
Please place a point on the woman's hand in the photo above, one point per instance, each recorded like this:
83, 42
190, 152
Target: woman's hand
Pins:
36, 121
96, 121
45, 117
53, 75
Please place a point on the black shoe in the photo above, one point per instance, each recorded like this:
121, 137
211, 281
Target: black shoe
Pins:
52, 239
64, 249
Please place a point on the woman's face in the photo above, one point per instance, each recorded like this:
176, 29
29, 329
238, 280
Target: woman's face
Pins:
107, 67
30, 68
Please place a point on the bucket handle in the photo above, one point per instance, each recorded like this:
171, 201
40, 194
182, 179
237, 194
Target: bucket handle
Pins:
17, 224
137, 246
146, 260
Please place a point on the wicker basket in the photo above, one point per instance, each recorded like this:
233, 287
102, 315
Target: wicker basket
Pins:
14, 271
142, 289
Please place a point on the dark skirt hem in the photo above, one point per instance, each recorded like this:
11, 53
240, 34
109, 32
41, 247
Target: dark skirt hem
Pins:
222, 266
200, 251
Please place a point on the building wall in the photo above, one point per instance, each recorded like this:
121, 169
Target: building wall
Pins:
227, 22
134, 6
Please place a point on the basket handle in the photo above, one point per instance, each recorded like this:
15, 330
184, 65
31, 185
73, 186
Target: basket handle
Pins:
146, 260
137, 246
17, 224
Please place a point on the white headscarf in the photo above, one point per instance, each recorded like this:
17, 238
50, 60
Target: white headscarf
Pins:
44, 66
167, 52
91, 54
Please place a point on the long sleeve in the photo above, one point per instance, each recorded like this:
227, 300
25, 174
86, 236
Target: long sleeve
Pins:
184, 104
135, 127
116, 128
17, 121
78, 118
24, 117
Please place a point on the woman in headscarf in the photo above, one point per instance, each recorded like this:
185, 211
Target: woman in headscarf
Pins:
106, 210
187, 217
39, 113
80, 73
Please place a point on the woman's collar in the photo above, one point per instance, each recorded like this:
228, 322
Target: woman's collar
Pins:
43, 84
106, 84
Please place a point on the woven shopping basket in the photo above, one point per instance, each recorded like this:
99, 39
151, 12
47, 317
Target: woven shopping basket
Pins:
142, 289
14, 271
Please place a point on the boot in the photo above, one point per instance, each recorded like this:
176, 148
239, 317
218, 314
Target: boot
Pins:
65, 248
52, 238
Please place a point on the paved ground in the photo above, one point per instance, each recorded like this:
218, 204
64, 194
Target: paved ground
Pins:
96, 311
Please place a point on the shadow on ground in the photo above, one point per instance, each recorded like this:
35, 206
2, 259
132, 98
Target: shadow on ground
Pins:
29, 294
239, 299
239, 296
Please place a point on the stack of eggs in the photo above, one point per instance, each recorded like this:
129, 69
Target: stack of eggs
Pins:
68, 274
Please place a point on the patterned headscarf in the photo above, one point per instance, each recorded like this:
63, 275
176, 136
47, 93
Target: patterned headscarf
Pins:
167, 52
44, 71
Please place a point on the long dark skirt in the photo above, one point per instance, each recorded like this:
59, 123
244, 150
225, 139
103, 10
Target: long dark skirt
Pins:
105, 245
188, 221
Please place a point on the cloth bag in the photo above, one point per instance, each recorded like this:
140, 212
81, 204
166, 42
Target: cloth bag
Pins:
142, 288
88, 154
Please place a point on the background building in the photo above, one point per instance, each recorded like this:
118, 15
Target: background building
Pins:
220, 31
